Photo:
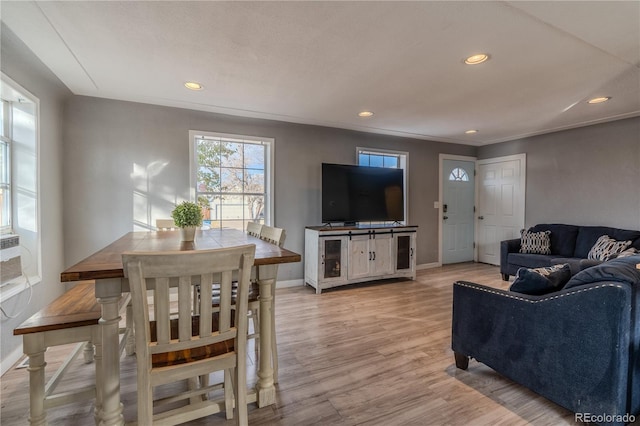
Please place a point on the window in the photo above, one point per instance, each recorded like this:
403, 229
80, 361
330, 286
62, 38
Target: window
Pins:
232, 178
459, 175
19, 187
390, 159
5, 168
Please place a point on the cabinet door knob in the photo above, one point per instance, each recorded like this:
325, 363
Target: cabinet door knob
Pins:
481, 217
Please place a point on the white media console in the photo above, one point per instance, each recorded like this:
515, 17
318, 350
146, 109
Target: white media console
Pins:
336, 256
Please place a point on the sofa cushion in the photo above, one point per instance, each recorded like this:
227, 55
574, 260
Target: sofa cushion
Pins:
588, 235
535, 242
522, 260
605, 247
537, 281
621, 270
563, 237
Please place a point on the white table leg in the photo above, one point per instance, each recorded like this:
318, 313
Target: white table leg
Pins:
108, 293
265, 388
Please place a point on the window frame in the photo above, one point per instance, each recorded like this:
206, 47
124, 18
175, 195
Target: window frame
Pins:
30, 240
269, 144
5, 145
403, 159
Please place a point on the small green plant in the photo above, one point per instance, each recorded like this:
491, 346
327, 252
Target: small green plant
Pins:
187, 214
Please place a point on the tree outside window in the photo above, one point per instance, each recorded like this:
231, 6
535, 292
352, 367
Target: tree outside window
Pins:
231, 180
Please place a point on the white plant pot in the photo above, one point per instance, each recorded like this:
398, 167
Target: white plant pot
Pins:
188, 233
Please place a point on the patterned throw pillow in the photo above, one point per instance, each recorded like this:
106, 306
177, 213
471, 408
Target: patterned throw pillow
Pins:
539, 281
535, 242
606, 248
628, 252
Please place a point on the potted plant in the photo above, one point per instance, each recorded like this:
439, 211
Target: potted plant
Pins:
187, 216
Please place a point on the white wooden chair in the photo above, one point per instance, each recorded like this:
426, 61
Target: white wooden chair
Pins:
190, 347
165, 224
254, 229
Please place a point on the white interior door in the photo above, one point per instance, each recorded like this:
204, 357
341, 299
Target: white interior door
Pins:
501, 204
458, 195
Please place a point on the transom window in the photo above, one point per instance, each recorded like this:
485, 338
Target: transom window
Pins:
459, 175
232, 179
387, 158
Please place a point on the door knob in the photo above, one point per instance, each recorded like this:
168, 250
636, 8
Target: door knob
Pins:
445, 217
481, 217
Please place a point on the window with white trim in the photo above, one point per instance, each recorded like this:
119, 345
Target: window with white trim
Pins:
232, 179
19, 189
386, 158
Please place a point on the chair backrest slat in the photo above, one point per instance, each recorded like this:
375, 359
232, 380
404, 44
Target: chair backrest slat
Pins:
161, 310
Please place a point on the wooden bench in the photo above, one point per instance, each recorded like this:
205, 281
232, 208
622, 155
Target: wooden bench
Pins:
71, 318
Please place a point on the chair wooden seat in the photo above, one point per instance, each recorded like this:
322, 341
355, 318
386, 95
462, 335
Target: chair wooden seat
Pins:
194, 354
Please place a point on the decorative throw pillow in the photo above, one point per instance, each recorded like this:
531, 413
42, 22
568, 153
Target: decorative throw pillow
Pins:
535, 242
628, 252
539, 281
606, 247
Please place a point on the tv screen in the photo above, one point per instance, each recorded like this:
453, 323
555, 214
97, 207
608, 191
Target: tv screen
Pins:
361, 194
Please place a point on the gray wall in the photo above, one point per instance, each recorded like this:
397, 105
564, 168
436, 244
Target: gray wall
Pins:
127, 164
584, 176
18, 63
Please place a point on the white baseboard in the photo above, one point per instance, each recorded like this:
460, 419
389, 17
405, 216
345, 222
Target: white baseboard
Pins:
11, 359
428, 266
290, 283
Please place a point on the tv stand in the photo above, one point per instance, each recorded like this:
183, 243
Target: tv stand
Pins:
341, 255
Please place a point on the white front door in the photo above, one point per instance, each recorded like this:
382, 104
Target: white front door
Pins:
458, 192
501, 199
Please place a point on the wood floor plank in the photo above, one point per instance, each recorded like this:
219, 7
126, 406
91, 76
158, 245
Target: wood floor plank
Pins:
372, 353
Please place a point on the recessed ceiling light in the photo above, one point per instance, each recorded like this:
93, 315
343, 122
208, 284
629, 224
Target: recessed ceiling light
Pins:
365, 114
476, 59
471, 131
599, 100
192, 85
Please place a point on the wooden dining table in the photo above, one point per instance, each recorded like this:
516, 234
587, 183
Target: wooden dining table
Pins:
105, 267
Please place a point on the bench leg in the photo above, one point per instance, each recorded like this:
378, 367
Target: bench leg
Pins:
88, 353
97, 339
505, 277
34, 349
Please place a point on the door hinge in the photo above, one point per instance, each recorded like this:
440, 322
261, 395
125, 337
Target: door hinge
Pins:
474, 209
474, 244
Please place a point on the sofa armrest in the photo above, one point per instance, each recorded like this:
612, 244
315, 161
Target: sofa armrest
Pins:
570, 346
506, 247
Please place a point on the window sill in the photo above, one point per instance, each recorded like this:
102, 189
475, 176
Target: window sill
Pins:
17, 286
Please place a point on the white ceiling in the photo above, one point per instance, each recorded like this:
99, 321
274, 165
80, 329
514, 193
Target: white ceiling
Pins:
323, 62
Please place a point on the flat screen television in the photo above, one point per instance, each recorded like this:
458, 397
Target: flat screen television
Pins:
361, 194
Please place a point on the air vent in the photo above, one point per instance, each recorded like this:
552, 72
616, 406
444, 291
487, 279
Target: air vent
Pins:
10, 263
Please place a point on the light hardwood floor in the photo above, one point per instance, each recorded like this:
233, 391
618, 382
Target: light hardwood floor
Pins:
374, 354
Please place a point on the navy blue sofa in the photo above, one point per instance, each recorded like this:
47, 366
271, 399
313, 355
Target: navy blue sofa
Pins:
569, 244
578, 347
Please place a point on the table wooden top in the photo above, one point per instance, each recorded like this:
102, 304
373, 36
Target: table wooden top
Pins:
107, 263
